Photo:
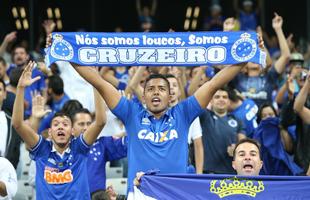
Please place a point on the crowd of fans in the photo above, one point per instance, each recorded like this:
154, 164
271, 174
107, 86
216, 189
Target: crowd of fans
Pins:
268, 104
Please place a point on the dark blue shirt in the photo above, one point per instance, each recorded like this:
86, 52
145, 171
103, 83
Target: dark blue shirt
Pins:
258, 88
217, 134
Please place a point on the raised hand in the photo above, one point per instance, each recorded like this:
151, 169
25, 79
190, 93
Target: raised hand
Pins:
277, 21
230, 150
49, 26
175, 71
38, 105
261, 44
10, 37
48, 41
26, 79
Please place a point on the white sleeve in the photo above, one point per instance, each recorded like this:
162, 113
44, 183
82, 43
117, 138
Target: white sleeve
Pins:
194, 131
8, 177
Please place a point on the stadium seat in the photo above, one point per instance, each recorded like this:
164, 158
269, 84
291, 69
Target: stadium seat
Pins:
113, 172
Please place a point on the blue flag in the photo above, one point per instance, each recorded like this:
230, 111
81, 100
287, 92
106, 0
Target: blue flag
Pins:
276, 160
155, 49
228, 187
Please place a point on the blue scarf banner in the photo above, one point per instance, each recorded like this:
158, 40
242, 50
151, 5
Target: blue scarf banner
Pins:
228, 187
276, 161
155, 49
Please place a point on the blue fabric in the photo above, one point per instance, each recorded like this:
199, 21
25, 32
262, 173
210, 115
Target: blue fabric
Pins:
46, 122
248, 21
57, 105
247, 112
187, 186
276, 161
103, 150
61, 178
258, 88
155, 49
157, 143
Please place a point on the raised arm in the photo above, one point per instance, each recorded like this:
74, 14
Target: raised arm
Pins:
29, 136
199, 155
108, 75
299, 105
281, 62
38, 110
195, 81
95, 128
260, 31
288, 87
134, 83
108, 92
10, 37
207, 90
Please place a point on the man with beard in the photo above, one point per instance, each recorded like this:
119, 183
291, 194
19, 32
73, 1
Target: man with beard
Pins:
61, 163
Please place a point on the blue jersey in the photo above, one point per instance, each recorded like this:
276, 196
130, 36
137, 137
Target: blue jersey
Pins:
103, 150
57, 105
258, 88
61, 177
247, 113
248, 21
157, 143
123, 78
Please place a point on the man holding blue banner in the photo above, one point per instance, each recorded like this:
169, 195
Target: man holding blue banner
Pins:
157, 135
247, 185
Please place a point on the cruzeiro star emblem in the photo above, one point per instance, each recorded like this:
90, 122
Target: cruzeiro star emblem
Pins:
244, 49
61, 49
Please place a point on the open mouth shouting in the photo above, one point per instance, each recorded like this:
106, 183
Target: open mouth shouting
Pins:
156, 101
248, 168
61, 134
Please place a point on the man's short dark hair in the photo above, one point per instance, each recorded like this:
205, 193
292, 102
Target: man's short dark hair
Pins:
20, 46
70, 107
157, 76
170, 76
233, 95
248, 140
56, 83
225, 89
61, 114
78, 111
15, 75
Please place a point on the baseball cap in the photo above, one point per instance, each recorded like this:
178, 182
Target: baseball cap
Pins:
297, 58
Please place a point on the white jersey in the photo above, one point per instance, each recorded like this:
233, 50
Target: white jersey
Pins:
8, 177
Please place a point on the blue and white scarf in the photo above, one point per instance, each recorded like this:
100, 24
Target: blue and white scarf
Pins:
155, 49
